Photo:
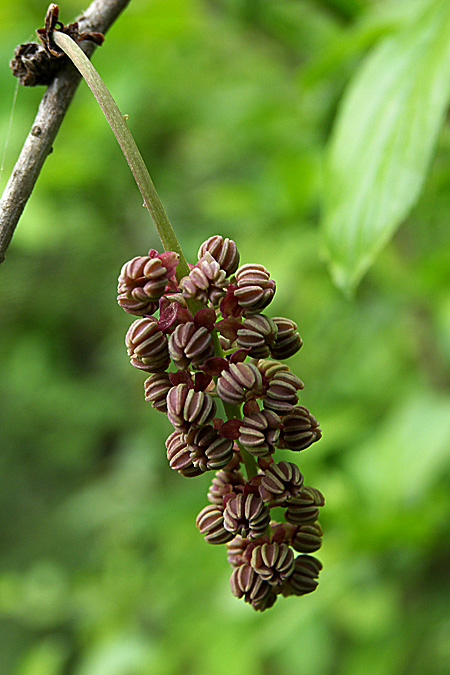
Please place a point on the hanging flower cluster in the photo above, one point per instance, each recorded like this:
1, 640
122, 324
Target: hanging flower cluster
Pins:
226, 350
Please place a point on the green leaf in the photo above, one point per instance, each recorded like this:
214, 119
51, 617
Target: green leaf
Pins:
383, 141
402, 463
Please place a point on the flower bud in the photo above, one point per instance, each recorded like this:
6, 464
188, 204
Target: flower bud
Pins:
304, 577
179, 456
258, 335
300, 429
188, 408
281, 394
246, 583
239, 550
189, 344
255, 289
288, 340
147, 346
304, 507
210, 523
142, 282
269, 368
223, 483
246, 515
308, 538
239, 383
280, 482
205, 282
156, 388
273, 562
209, 450
259, 432
222, 250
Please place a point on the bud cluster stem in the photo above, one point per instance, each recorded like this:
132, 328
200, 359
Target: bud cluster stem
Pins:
128, 145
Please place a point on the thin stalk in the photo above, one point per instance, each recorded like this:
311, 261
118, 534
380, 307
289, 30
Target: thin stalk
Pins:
127, 143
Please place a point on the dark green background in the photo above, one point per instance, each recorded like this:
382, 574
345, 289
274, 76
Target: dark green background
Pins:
102, 571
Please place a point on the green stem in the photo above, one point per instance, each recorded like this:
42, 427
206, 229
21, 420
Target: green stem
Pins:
129, 148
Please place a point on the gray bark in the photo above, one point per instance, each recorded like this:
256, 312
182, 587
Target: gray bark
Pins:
100, 15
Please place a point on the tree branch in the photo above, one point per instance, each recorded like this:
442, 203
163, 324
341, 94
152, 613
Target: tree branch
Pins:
100, 15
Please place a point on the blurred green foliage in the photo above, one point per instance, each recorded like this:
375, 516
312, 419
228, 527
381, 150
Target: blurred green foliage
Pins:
102, 571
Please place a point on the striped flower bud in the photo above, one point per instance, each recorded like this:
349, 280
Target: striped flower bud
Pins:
239, 383
137, 303
179, 456
239, 551
147, 346
307, 538
189, 344
255, 289
280, 482
288, 340
281, 395
269, 368
300, 429
210, 523
304, 507
246, 583
223, 483
246, 515
142, 282
222, 250
304, 577
273, 562
258, 335
209, 450
188, 408
156, 388
205, 282
259, 432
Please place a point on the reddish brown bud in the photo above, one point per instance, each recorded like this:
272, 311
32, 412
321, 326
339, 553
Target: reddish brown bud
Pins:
241, 381
156, 388
307, 538
147, 347
246, 583
269, 368
246, 515
223, 483
210, 523
179, 456
304, 577
259, 432
273, 562
281, 394
288, 340
222, 250
190, 345
257, 335
300, 429
143, 280
304, 507
205, 282
280, 482
188, 408
209, 450
255, 289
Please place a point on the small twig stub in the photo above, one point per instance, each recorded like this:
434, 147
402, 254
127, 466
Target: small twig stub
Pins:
36, 64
